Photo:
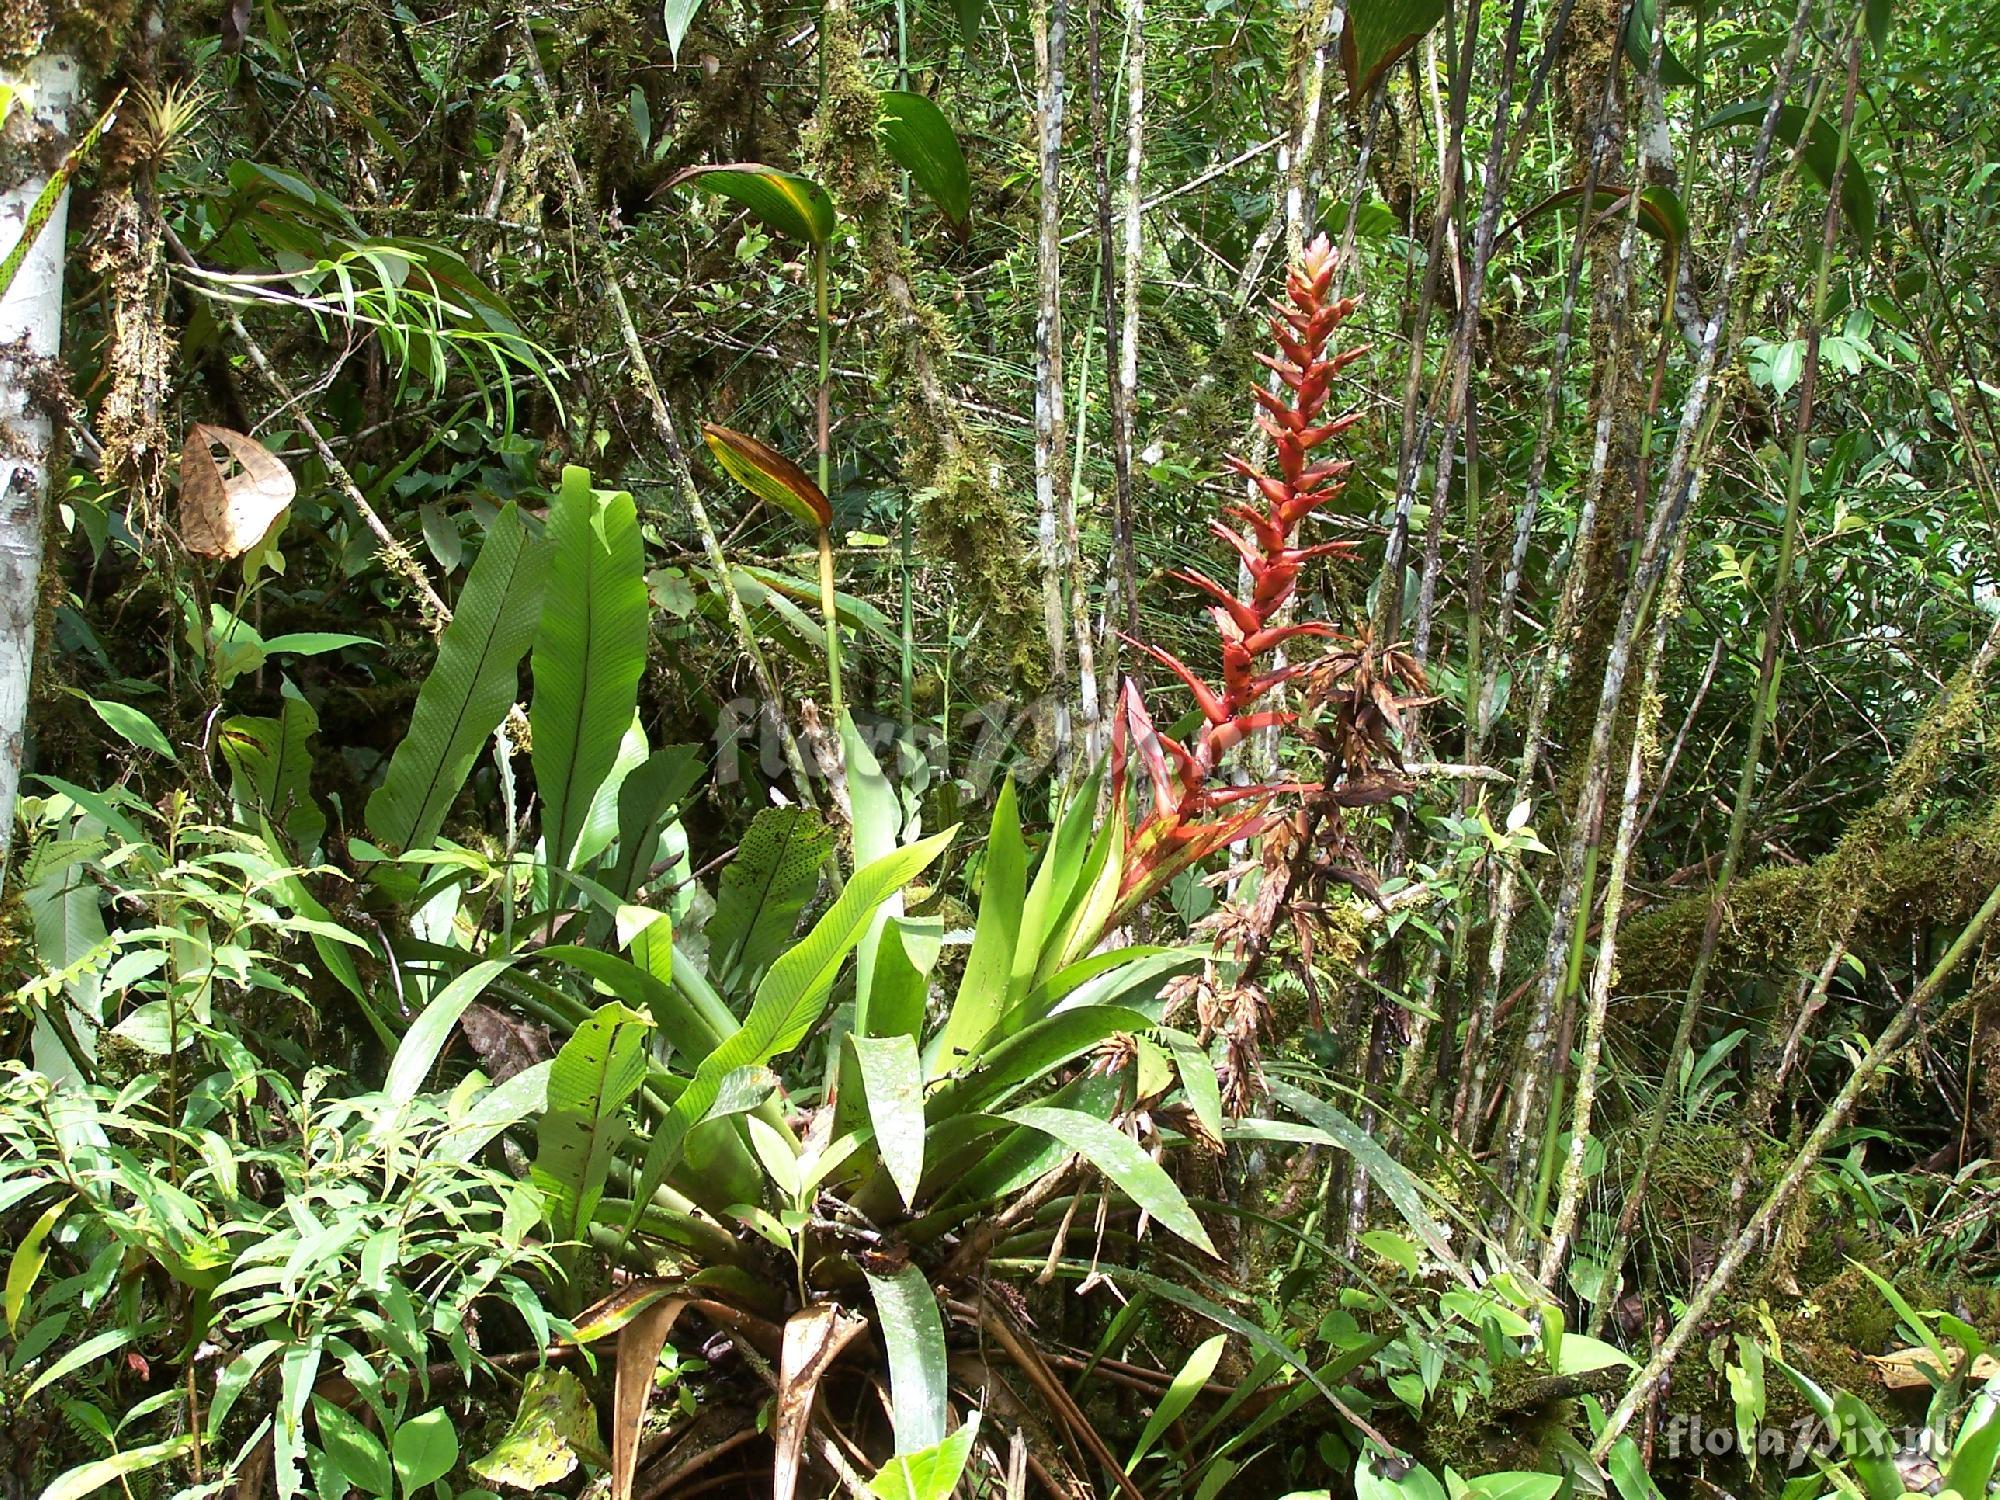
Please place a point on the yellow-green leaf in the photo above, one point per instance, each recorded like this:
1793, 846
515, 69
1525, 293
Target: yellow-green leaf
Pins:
768, 474
784, 202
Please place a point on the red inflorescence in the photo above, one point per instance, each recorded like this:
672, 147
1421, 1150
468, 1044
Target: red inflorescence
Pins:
1190, 818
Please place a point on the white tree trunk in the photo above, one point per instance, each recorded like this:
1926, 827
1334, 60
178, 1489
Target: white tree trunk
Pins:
47, 94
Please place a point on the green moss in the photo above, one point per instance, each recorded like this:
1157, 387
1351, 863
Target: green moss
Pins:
1889, 883
965, 514
92, 31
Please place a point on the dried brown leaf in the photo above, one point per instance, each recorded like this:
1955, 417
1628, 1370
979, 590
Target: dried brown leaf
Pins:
226, 515
814, 1337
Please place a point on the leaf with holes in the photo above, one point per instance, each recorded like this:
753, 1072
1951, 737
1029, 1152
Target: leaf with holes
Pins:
224, 516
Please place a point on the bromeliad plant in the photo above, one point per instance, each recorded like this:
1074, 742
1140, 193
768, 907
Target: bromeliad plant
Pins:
1191, 817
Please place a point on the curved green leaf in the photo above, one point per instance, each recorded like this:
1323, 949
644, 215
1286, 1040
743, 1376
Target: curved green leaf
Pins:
1180, 1395
1118, 1157
131, 725
982, 993
590, 651
769, 475
916, 133
107, 1473
762, 891
1378, 34
784, 202
677, 16
892, 1077
468, 692
1640, 23
1819, 153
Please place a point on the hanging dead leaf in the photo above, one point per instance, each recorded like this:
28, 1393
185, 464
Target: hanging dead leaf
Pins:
225, 515
814, 1337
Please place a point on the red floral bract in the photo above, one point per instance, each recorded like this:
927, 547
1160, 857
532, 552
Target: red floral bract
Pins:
1190, 818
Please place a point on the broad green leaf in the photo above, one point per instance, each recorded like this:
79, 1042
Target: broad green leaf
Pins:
355, 1451
1377, 36
931, 1474
1516, 1485
426, 1449
653, 789
1180, 1395
892, 1076
916, 133
270, 764
677, 16
1374, 1481
590, 651
1627, 1468
784, 202
597, 1070
769, 475
469, 689
1641, 22
131, 726
1877, 11
1973, 1453
108, 1474
1819, 152
1393, 1248
1580, 1354
982, 993
1118, 1157
779, 1156
913, 1334
1869, 1445
762, 891
788, 1002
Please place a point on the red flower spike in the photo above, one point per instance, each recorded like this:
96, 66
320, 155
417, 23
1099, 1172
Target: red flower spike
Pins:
1190, 819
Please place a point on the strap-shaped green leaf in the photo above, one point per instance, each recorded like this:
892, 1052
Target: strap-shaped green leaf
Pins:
469, 689
788, 1002
892, 1078
982, 993
913, 1333
589, 652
